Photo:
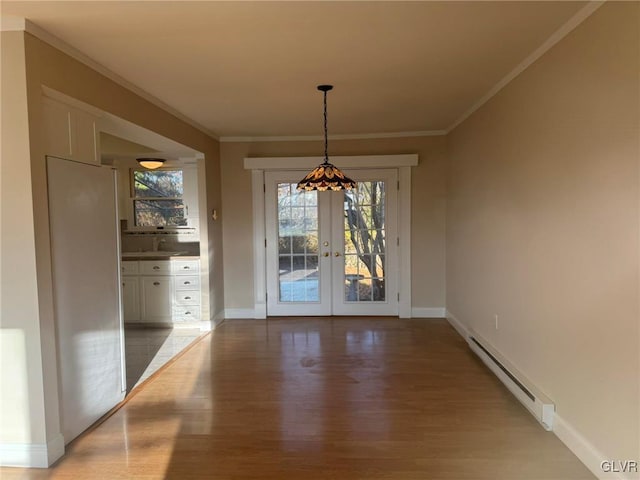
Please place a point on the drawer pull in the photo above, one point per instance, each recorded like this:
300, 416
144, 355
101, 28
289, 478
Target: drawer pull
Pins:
155, 267
187, 283
187, 313
186, 298
186, 267
156, 283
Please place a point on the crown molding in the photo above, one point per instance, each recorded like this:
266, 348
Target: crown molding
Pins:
558, 35
12, 24
355, 136
16, 23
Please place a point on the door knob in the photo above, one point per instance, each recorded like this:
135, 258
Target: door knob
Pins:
337, 254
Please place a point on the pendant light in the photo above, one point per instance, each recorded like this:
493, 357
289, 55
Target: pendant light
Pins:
151, 163
326, 176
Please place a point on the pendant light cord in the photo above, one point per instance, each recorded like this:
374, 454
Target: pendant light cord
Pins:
326, 135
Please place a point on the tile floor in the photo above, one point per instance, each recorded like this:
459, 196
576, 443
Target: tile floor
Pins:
147, 349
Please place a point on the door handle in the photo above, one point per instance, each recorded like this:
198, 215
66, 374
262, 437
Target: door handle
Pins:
337, 254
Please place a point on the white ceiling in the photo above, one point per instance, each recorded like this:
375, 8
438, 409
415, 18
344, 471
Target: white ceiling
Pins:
251, 68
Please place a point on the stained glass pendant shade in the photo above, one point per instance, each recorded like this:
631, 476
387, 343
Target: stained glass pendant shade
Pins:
326, 176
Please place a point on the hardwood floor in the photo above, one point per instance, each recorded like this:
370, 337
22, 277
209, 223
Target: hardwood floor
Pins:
325, 398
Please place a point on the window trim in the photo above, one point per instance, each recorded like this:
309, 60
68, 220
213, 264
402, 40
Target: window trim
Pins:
133, 198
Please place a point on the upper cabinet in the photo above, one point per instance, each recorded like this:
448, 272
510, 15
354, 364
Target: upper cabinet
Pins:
190, 179
70, 132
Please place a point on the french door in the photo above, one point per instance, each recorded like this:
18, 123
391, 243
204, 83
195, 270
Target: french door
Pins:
332, 253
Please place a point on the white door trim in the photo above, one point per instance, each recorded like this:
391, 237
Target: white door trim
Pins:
259, 246
258, 166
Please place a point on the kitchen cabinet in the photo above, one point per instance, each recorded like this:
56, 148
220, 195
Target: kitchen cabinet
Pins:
130, 302
161, 291
69, 132
155, 299
190, 196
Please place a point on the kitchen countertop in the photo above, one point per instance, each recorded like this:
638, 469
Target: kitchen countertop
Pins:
133, 256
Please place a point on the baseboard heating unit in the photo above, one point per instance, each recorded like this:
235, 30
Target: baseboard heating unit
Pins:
535, 401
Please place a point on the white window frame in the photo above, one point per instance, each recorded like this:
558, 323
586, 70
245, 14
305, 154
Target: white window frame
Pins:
132, 199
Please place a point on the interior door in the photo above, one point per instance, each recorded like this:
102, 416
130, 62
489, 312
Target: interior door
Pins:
332, 253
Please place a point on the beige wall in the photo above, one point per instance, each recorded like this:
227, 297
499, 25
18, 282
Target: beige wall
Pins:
48, 66
543, 221
22, 404
427, 224
26, 263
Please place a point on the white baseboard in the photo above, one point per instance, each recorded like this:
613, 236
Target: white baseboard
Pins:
458, 325
217, 319
587, 453
260, 311
32, 455
590, 456
230, 313
429, 312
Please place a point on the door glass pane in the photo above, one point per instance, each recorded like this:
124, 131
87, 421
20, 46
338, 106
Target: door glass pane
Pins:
297, 244
365, 243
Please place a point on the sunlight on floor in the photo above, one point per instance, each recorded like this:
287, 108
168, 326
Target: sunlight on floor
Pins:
148, 349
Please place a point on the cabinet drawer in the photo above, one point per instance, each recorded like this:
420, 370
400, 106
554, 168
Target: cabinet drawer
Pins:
185, 267
187, 297
187, 282
129, 268
155, 267
186, 314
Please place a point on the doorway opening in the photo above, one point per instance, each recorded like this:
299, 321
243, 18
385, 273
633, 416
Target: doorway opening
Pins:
396, 276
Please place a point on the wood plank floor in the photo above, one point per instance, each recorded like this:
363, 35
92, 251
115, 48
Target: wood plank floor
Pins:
325, 398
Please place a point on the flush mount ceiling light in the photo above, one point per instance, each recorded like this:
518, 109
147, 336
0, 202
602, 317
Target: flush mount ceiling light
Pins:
326, 176
151, 163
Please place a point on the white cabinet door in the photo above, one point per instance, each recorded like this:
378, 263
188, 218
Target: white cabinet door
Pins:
130, 299
69, 132
84, 255
57, 128
157, 293
190, 195
84, 137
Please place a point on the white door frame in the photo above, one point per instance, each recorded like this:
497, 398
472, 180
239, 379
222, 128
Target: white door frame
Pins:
258, 166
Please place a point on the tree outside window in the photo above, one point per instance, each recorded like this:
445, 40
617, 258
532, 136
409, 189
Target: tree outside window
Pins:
158, 198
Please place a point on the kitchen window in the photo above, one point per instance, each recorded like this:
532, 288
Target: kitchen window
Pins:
158, 198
